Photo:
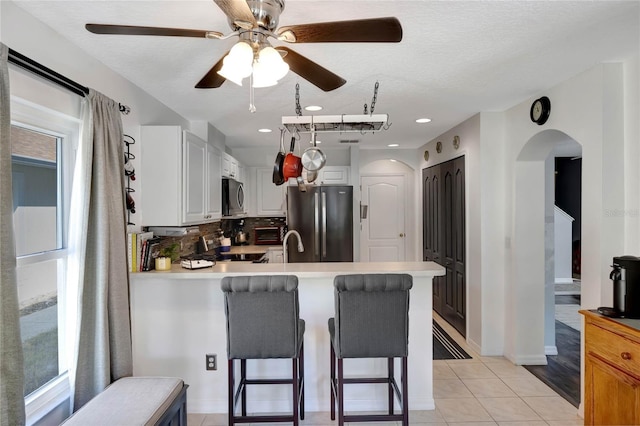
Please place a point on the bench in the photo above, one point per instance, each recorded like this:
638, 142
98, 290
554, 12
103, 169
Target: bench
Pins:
136, 401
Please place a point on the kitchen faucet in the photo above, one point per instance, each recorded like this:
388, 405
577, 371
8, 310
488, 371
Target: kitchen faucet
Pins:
284, 244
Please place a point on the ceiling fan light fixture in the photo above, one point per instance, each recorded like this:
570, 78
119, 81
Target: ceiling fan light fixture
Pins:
273, 63
237, 64
268, 68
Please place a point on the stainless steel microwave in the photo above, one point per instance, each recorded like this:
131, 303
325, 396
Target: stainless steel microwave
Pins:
232, 197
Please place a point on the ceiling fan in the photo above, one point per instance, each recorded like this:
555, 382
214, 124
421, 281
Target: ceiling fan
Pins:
255, 21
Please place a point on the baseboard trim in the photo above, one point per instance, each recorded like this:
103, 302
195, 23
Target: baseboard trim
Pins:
551, 350
530, 360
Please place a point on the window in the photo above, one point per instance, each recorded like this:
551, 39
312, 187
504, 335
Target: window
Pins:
43, 145
35, 176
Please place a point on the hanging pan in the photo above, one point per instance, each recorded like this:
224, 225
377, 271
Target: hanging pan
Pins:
291, 166
313, 159
278, 178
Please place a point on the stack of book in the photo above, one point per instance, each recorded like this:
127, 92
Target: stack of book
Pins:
142, 249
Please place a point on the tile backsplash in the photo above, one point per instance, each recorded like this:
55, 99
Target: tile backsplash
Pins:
210, 231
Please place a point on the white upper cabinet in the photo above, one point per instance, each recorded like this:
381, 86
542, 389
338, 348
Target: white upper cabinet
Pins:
270, 198
230, 168
333, 175
180, 178
194, 152
214, 200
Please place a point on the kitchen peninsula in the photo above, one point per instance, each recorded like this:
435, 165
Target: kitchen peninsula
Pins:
178, 317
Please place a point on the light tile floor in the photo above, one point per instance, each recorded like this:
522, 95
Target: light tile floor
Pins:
482, 391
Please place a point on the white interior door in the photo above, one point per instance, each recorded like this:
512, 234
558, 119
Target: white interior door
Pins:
383, 230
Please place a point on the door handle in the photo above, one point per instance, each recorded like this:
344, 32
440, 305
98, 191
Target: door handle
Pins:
316, 225
401, 235
324, 225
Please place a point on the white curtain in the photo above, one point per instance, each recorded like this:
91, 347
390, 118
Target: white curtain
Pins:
98, 254
11, 358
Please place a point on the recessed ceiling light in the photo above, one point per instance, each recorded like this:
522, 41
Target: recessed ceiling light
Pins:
264, 130
313, 108
423, 120
393, 145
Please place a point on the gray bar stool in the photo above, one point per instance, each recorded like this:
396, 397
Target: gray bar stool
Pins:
371, 321
263, 323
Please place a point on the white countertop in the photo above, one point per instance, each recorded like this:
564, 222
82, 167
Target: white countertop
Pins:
308, 270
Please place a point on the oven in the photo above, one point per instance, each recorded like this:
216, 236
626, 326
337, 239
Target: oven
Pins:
268, 235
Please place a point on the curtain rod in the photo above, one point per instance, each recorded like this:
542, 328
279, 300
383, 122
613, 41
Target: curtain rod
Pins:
29, 64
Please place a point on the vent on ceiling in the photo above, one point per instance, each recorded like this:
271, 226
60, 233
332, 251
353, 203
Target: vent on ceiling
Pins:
349, 141
336, 123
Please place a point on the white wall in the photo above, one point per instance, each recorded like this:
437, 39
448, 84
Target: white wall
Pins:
632, 156
504, 157
588, 108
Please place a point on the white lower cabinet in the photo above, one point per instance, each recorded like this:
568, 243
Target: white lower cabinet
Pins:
179, 177
270, 198
275, 255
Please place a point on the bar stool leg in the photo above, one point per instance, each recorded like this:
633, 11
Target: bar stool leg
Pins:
231, 389
405, 392
390, 377
332, 384
301, 366
294, 385
340, 391
243, 383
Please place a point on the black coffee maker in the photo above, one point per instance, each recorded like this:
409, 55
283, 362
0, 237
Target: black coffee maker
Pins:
626, 288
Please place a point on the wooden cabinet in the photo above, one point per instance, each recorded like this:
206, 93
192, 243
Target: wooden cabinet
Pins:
180, 178
612, 370
270, 198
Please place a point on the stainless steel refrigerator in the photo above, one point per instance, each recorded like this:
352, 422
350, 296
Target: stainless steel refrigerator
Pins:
323, 215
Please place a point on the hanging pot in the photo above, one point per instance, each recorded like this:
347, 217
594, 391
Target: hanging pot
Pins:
312, 176
278, 178
292, 165
313, 159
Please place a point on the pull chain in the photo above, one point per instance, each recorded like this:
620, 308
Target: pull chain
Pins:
298, 108
252, 106
375, 98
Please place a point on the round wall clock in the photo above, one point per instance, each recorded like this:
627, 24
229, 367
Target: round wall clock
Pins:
438, 147
540, 110
426, 155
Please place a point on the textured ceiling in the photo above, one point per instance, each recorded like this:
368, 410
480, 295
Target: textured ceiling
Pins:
457, 58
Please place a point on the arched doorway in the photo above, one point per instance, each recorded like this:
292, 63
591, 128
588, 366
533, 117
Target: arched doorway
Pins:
530, 297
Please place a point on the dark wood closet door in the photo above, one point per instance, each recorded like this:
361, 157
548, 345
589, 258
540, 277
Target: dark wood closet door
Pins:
447, 225
432, 240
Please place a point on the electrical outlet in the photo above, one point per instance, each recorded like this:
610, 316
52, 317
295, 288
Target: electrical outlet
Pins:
212, 361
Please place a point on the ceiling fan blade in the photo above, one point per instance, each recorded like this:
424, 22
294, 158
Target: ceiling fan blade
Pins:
310, 71
212, 79
377, 30
152, 31
239, 13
